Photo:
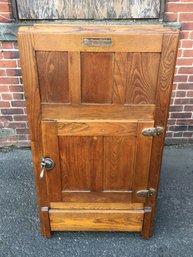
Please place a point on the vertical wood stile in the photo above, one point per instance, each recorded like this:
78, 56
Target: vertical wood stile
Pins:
74, 75
142, 159
120, 77
164, 89
31, 89
51, 150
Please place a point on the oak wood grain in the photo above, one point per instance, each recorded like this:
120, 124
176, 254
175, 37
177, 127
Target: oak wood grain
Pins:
88, 128
97, 197
97, 77
51, 150
163, 95
119, 156
53, 76
81, 162
111, 220
96, 206
74, 75
32, 94
45, 222
120, 77
96, 112
142, 74
142, 159
121, 42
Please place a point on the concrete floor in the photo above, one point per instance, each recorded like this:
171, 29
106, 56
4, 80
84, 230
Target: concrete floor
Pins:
19, 223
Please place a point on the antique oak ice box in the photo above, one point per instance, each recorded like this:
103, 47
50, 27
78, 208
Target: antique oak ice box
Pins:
97, 101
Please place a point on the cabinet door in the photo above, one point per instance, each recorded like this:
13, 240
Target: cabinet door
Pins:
104, 162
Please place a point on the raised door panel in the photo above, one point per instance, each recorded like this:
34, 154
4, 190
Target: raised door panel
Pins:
53, 76
97, 77
81, 163
142, 75
119, 163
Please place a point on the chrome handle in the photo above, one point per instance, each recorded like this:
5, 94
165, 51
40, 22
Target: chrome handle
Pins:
46, 164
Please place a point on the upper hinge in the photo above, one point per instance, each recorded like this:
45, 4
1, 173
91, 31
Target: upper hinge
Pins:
153, 132
146, 192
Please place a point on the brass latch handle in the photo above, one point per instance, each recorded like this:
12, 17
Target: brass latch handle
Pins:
46, 164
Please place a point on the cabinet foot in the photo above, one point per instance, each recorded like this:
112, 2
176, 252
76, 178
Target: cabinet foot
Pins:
45, 222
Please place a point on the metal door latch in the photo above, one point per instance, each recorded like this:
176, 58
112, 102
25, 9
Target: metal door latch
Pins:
46, 164
157, 131
146, 192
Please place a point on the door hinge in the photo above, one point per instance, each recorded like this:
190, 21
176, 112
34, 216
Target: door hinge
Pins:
153, 132
146, 192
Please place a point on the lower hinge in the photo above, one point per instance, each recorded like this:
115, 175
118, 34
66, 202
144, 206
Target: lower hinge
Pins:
146, 192
153, 132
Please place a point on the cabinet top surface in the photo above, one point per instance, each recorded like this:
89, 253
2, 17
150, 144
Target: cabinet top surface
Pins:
102, 29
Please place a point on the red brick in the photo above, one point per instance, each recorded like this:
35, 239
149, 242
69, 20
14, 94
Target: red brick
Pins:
15, 45
12, 111
18, 103
181, 94
11, 54
178, 128
184, 122
22, 137
184, 101
179, 7
7, 96
187, 26
181, 115
190, 79
171, 122
187, 134
7, 45
4, 7
185, 70
186, 86
184, 61
13, 72
15, 89
184, 34
188, 53
190, 94
7, 118
171, 17
22, 131
19, 96
188, 108
179, 54
4, 88
190, 128
181, 78
17, 125
7, 80
8, 63
5, 17
186, 17
177, 134
176, 108
169, 134
20, 118
4, 104
2, 73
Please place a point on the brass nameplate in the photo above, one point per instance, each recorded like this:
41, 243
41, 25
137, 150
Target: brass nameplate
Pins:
97, 41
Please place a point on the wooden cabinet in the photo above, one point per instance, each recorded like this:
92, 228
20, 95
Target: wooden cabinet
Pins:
97, 102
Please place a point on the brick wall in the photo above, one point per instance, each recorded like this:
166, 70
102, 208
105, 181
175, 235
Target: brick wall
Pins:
13, 119
180, 124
